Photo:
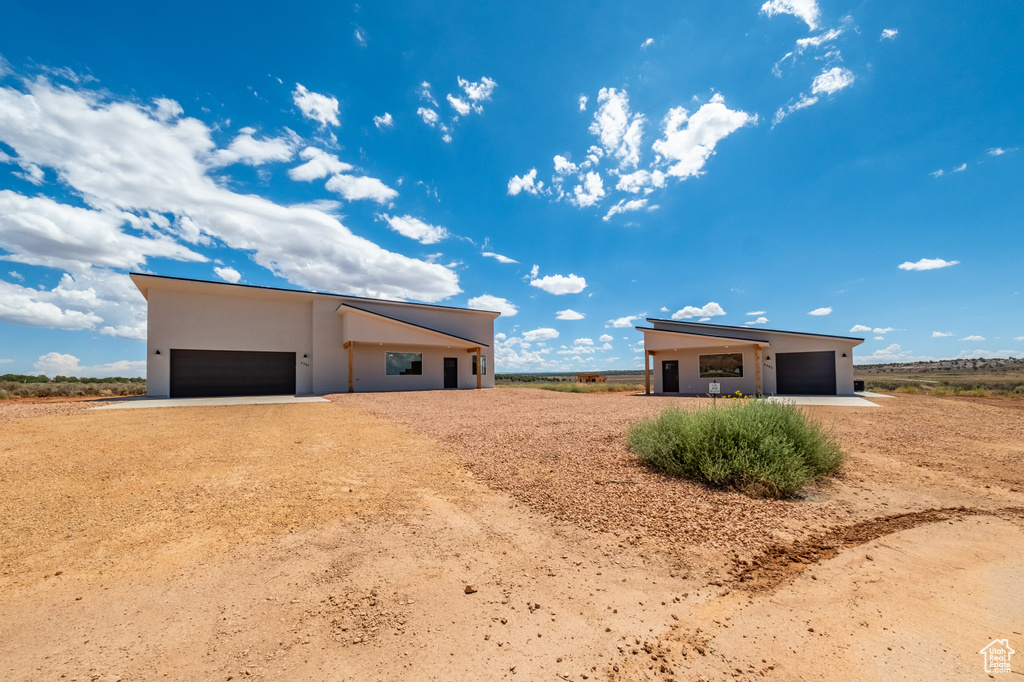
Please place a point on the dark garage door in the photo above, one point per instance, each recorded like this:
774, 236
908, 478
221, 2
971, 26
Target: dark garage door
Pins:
806, 373
206, 373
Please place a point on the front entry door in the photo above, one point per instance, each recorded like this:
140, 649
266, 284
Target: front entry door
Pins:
670, 376
451, 372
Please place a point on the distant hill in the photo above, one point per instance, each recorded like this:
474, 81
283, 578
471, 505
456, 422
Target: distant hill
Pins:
946, 367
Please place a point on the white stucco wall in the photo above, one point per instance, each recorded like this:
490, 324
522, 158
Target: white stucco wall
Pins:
187, 314
211, 321
685, 348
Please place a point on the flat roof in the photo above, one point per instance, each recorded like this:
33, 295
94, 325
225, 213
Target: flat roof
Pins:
260, 287
748, 329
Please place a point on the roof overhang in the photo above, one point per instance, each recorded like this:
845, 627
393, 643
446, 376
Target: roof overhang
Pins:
663, 339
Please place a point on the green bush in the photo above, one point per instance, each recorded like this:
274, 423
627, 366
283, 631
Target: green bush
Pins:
761, 448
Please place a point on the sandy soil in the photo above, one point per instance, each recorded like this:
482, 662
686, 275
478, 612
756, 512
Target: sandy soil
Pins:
502, 534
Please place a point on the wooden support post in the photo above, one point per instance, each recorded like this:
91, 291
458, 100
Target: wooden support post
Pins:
647, 372
757, 368
476, 350
351, 380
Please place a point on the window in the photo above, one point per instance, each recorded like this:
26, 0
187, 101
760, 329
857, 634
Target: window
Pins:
403, 363
721, 366
483, 365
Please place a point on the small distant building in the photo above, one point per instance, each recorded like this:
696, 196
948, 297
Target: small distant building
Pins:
591, 378
690, 356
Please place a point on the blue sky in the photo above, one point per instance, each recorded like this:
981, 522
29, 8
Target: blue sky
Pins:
830, 167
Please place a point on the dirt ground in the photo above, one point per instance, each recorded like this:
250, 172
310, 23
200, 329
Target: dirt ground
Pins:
502, 534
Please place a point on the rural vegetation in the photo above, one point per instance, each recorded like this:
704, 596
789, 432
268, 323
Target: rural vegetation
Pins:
760, 448
618, 381
974, 377
41, 386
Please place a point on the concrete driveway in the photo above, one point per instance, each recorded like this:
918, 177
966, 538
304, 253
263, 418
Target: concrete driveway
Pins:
134, 403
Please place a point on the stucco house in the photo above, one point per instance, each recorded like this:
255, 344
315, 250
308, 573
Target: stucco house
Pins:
219, 339
690, 356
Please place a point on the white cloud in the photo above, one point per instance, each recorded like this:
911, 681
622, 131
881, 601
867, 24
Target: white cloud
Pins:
478, 92
493, 303
96, 299
961, 168
590, 192
928, 264
807, 10
14, 274
360, 36
995, 151
860, 328
760, 320
498, 257
605, 338
821, 311
385, 121
320, 108
889, 34
647, 43
248, 150
424, 93
973, 337
429, 116
41, 231
458, 105
937, 174
827, 82
560, 284
832, 81
319, 164
624, 322
626, 206
583, 102
525, 183
709, 310
228, 274
1018, 338
688, 148
756, 312
60, 364
619, 130
939, 335
124, 163
414, 228
640, 180
563, 165
569, 314
26, 306
540, 334
355, 188
584, 342
818, 40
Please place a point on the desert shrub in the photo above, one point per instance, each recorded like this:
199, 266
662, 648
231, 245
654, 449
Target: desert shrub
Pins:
942, 391
909, 388
1019, 390
761, 448
50, 389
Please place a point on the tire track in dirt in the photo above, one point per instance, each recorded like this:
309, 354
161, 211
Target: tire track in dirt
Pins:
781, 563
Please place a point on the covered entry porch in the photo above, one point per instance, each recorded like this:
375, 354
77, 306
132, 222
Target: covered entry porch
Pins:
688, 362
386, 354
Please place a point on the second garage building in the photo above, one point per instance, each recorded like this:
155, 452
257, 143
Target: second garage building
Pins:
688, 357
